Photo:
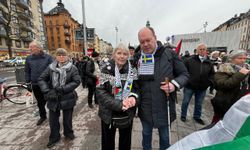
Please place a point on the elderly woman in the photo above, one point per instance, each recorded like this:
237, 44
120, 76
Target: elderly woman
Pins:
231, 82
117, 99
58, 83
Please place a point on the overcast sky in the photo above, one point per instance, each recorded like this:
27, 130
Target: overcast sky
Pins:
167, 17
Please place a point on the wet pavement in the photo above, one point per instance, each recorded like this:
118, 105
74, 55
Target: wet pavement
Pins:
18, 128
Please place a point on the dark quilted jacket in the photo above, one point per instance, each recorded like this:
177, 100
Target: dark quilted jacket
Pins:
68, 97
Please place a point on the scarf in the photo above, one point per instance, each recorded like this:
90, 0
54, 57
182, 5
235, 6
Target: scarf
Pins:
121, 94
59, 73
146, 64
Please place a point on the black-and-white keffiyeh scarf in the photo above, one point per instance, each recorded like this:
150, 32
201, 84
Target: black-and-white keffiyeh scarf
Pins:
119, 92
59, 73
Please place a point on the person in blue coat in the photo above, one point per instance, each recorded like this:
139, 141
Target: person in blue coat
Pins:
35, 64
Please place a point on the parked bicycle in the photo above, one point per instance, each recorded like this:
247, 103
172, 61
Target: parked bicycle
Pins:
15, 93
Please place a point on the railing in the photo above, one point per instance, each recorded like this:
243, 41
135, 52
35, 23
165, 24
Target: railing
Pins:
22, 3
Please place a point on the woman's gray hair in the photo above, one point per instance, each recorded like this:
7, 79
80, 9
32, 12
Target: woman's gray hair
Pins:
121, 46
61, 51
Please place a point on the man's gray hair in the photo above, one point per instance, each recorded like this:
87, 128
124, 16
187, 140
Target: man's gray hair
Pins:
37, 43
201, 44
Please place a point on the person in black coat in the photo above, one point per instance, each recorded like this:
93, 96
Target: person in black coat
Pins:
58, 83
82, 70
155, 62
92, 73
117, 98
201, 72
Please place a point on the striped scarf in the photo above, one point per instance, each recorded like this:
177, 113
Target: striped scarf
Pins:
121, 94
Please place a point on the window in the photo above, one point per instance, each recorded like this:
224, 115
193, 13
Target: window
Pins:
58, 39
51, 30
243, 37
52, 39
26, 44
18, 44
14, 19
57, 30
13, 7
244, 30
41, 28
1, 43
57, 22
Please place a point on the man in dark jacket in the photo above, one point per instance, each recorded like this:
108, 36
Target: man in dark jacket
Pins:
35, 64
156, 62
82, 70
201, 73
92, 71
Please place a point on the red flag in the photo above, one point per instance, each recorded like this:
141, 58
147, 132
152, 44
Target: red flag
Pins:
178, 47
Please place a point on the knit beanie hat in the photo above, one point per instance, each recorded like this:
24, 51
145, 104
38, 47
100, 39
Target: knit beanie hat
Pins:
236, 53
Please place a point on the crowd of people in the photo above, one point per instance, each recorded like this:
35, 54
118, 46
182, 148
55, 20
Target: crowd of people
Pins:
144, 79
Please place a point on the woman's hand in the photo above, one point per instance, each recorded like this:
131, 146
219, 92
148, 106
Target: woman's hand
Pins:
244, 71
128, 103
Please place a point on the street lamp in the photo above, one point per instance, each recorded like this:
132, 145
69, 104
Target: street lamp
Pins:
205, 25
84, 28
116, 29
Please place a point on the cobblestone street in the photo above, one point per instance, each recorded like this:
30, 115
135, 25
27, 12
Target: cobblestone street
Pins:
18, 128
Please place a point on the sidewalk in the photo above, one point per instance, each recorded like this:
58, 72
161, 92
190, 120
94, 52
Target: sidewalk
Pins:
18, 128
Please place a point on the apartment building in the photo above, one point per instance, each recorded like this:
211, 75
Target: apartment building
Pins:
25, 26
242, 24
60, 27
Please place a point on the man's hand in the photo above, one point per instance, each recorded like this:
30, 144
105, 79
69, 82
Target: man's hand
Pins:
167, 88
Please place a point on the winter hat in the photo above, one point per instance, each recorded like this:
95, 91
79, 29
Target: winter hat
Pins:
236, 53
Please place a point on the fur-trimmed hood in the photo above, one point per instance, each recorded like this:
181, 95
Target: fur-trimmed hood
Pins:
227, 68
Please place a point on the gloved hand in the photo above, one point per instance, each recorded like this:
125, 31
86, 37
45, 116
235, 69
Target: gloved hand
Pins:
29, 87
59, 89
52, 95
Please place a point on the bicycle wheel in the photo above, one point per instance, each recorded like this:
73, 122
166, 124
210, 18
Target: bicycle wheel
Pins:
17, 94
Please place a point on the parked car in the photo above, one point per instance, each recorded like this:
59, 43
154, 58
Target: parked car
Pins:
17, 61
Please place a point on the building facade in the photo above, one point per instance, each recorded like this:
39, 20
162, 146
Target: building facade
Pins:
240, 23
220, 41
60, 29
25, 26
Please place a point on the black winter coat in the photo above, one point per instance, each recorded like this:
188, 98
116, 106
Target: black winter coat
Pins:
67, 99
108, 105
90, 77
201, 73
153, 101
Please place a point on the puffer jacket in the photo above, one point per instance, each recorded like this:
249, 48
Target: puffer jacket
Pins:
228, 83
35, 65
108, 105
68, 96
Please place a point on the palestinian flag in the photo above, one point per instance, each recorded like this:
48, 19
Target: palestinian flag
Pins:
233, 132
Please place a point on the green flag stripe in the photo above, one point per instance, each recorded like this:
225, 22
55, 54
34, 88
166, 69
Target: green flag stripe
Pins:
244, 130
238, 144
